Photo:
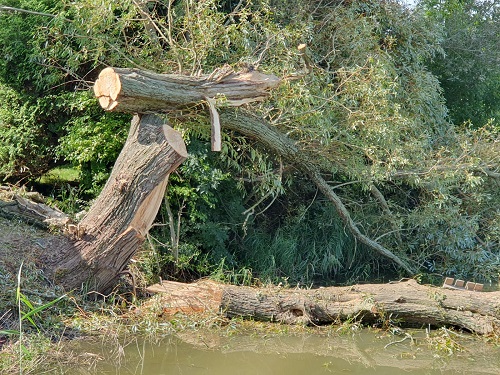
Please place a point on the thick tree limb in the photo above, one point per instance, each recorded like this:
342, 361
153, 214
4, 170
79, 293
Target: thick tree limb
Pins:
32, 212
257, 129
132, 90
405, 302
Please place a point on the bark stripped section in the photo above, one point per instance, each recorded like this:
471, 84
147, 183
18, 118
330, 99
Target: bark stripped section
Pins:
118, 221
408, 303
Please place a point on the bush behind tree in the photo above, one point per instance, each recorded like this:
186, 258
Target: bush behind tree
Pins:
359, 101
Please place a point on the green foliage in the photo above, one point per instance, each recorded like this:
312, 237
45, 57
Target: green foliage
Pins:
24, 144
468, 68
21, 67
360, 102
92, 141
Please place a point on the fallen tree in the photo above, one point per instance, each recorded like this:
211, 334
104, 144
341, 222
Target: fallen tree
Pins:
404, 303
131, 90
98, 248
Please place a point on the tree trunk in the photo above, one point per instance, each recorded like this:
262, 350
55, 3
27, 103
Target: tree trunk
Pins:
118, 221
404, 303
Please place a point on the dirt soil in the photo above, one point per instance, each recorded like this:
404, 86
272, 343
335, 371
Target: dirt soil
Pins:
20, 242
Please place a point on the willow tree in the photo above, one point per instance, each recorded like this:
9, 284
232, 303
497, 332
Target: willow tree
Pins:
356, 101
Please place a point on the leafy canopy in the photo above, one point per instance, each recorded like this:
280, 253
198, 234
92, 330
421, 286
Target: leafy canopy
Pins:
360, 100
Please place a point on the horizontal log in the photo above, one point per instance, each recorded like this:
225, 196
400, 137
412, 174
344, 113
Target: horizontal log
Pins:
137, 91
32, 210
406, 303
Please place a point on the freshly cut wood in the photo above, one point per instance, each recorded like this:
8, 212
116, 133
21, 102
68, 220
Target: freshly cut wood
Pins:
405, 302
117, 222
138, 91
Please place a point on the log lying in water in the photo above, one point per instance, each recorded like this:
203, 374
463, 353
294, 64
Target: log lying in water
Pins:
406, 303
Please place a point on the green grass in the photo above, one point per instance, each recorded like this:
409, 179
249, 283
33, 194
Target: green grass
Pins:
60, 174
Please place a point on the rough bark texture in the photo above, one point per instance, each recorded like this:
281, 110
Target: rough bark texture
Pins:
132, 90
99, 247
406, 303
118, 221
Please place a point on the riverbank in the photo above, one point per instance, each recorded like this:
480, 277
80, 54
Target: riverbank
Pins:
53, 321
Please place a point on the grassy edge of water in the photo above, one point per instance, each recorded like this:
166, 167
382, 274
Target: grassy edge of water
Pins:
115, 317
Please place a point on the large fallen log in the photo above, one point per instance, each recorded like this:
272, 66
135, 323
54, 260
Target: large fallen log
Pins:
404, 303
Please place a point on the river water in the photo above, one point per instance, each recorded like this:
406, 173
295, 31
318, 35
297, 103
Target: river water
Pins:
364, 352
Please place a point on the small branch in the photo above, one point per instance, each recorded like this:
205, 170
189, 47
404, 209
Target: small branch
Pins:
230, 16
407, 336
385, 207
149, 23
174, 235
19, 10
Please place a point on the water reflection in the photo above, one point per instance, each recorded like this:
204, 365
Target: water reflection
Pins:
208, 353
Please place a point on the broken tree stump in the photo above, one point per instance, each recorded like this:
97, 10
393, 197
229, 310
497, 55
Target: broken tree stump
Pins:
404, 303
118, 221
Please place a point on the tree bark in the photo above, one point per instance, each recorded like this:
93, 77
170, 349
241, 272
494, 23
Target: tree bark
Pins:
132, 90
405, 303
118, 221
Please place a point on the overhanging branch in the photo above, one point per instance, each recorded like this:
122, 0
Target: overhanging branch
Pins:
256, 128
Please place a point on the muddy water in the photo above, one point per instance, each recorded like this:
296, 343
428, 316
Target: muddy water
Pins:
362, 353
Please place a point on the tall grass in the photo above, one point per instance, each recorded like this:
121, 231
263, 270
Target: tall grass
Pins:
27, 312
311, 247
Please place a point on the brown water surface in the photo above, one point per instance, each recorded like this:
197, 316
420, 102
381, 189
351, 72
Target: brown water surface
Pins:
365, 352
